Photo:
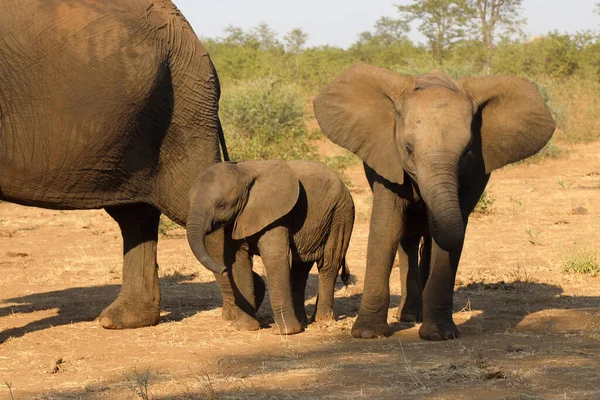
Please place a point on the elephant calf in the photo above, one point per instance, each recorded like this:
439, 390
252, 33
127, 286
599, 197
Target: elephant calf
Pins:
297, 212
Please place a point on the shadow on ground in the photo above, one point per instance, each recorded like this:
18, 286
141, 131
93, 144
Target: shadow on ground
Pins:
506, 305
488, 361
181, 298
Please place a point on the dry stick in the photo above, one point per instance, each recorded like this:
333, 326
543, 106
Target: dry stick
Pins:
9, 386
411, 374
550, 325
207, 383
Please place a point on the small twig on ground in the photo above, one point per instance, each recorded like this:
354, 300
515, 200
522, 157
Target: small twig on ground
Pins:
9, 386
411, 373
206, 384
550, 325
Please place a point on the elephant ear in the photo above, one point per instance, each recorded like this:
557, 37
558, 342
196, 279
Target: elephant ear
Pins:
515, 121
358, 112
273, 192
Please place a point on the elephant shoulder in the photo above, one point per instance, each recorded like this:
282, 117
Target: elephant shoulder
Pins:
313, 173
319, 182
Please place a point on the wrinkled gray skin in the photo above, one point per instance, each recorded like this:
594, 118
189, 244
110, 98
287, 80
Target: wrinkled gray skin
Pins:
429, 144
108, 104
292, 215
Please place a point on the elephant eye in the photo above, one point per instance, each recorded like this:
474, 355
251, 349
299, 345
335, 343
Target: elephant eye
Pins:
220, 205
409, 150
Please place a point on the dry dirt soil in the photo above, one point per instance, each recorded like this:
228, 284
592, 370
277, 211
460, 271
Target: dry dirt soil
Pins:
528, 329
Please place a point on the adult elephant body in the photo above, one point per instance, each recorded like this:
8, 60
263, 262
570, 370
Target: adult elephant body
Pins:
107, 104
429, 144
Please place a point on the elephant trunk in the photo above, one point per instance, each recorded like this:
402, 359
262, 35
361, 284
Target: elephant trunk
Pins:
446, 224
199, 223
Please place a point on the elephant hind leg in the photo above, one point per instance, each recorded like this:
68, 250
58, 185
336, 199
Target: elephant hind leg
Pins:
328, 272
425, 259
299, 276
138, 303
411, 306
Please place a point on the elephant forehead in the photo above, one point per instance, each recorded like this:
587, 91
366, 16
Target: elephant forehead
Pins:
219, 176
437, 105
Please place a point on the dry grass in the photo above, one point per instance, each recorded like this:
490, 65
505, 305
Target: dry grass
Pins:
576, 108
528, 329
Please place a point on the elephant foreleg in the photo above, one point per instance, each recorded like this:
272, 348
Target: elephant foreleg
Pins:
240, 288
411, 306
438, 296
275, 252
138, 303
384, 236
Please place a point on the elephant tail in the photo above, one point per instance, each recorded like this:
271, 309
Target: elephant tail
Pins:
222, 142
345, 275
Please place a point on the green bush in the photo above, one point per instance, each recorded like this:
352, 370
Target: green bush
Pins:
264, 119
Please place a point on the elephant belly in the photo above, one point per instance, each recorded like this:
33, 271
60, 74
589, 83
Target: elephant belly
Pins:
306, 249
84, 107
70, 186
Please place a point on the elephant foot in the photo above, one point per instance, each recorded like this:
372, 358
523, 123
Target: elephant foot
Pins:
435, 332
370, 328
230, 311
411, 311
287, 328
129, 314
325, 315
245, 322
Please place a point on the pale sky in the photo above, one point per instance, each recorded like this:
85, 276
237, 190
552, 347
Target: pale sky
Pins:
338, 22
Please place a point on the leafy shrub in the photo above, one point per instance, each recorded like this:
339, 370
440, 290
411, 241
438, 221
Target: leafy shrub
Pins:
166, 226
264, 119
338, 164
485, 203
583, 260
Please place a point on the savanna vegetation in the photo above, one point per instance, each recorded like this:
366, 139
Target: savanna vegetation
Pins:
269, 79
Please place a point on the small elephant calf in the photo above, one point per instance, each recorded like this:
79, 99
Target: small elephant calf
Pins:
297, 213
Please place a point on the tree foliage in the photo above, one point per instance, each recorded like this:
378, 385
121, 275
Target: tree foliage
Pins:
295, 40
441, 22
492, 19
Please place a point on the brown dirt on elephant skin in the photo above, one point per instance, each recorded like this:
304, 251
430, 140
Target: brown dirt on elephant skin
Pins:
528, 329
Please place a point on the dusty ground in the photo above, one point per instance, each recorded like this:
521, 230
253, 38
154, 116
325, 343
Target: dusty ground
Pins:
528, 330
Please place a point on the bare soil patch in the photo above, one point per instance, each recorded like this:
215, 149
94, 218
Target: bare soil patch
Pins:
529, 330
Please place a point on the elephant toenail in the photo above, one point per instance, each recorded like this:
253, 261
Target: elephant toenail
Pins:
367, 334
107, 323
